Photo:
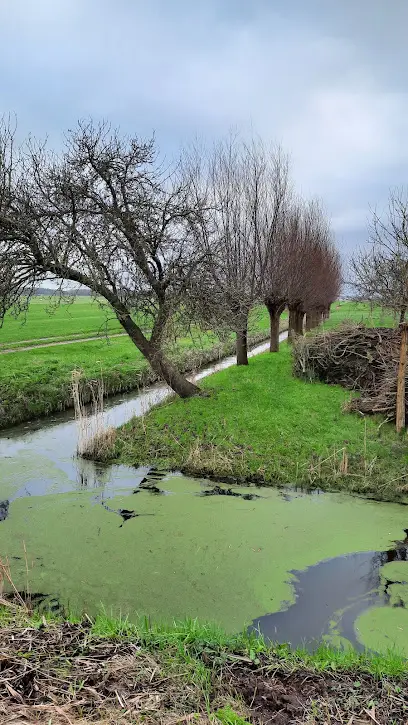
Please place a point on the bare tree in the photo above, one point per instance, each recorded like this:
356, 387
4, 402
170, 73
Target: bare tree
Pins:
326, 273
380, 273
297, 264
245, 189
104, 214
313, 266
273, 249
324, 277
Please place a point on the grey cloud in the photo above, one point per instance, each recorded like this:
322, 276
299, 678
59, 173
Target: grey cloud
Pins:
324, 78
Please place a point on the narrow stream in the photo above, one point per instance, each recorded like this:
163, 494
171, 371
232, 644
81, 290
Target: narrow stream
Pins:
300, 567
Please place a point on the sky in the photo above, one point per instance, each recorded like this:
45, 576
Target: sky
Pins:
326, 79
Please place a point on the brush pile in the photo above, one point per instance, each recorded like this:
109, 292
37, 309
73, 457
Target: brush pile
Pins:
359, 358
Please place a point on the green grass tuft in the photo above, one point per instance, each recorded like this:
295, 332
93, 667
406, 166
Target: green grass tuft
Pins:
191, 641
227, 716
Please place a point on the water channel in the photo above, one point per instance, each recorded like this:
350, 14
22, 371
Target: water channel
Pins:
300, 568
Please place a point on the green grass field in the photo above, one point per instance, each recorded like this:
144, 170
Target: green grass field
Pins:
83, 318
36, 383
261, 424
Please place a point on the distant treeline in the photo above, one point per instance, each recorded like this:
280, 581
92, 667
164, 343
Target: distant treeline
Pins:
48, 291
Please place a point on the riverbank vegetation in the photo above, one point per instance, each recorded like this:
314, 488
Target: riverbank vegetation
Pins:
261, 424
37, 382
110, 671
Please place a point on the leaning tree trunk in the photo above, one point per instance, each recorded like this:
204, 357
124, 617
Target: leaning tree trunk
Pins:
275, 310
161, 365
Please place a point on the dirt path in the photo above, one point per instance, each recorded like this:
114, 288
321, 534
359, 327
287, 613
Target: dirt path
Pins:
7, 351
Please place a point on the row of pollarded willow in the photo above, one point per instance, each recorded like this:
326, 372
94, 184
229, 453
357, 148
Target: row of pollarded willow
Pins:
308, 278
263, 244
206, 239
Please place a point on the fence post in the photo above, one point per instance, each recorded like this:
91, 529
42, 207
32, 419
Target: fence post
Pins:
400, 412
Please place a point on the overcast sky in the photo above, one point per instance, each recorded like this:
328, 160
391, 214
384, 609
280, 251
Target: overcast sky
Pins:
326, 78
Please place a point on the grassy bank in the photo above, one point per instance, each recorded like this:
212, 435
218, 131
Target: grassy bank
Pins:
37, 382
109, 671
260, 424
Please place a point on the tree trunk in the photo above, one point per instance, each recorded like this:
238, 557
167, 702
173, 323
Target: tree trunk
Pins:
291, 324
296, 315
402, 314
400, 408
242, 347
299, 319
312, 320
275, 310
161, 365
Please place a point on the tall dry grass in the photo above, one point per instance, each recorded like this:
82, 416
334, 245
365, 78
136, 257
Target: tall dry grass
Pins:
95, 437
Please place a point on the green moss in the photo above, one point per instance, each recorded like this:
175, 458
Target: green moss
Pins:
398, 594
394, 577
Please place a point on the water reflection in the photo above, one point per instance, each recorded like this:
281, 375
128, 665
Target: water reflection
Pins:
330, 596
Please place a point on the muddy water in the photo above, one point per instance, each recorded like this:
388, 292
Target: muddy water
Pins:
299, 567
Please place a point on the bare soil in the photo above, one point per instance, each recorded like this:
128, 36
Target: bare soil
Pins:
288, 698
62, 674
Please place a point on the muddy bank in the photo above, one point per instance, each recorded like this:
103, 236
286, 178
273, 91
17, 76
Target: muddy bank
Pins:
306, 696
64, 673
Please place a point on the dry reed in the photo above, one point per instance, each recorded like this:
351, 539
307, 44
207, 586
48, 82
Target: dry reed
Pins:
95, 438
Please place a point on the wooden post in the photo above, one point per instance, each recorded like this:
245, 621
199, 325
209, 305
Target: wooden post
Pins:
400, 413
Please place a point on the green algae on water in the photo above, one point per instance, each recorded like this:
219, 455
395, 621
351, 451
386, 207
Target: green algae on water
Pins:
218, 558
384, 629
395, 571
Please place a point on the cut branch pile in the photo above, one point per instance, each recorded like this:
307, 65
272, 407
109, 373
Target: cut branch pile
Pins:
359, 358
